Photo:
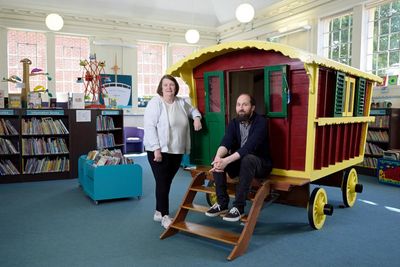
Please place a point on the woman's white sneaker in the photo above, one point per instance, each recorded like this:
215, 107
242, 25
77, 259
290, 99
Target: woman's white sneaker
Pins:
166, 221
157, 216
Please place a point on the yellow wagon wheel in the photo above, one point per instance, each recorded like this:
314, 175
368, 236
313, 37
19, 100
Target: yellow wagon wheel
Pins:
350, 188
211, 197
318, 208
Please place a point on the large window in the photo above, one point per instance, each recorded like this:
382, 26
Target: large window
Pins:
337, 36
151, 67
69, 51
383, 37
31, 45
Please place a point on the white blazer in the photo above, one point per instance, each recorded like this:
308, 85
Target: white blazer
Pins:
156, 123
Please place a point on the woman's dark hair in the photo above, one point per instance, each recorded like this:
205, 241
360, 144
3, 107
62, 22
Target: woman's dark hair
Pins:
169, 77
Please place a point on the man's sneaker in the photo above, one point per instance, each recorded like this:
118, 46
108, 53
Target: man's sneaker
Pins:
215, 210
233, 215
166, 221
157, 216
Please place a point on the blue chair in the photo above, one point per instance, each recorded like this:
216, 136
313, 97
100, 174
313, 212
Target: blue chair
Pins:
133, 137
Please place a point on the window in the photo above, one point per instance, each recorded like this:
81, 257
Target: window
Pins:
349, 96
337, 37
69, 51
31, 45
276, 90
151, 67
178, 53
383, 37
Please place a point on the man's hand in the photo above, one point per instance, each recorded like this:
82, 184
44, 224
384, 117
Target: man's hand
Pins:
197, 124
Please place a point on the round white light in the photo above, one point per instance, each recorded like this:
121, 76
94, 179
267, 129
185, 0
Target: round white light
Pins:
192, 36
54, 22
245, 13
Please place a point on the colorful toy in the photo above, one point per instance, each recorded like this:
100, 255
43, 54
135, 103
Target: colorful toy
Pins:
318, 114
94, 90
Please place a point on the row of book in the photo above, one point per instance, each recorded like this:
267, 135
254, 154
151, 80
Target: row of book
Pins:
40, 146
373, 149
370, 162
105, 140
43, 126
380, 122
104, 123
7, 168
34, 165
7, 147
378, 136
6, 128
108, 157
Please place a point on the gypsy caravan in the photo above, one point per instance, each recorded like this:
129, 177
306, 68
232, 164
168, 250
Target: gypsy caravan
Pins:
317, 112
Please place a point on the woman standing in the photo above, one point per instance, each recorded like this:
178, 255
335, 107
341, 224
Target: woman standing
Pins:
166, 139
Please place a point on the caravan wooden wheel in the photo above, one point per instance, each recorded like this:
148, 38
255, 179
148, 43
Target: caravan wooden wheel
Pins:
317, 206
211, 198
349, 188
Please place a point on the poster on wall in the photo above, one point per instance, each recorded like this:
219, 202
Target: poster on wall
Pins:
118, 89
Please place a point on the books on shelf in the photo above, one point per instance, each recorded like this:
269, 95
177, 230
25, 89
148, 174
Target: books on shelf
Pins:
104, 123
46, 125
7, 168
6, 128
105, 140
35, 165
39, 146
7, 147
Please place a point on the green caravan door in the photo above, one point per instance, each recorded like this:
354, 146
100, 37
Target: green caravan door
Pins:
206, 142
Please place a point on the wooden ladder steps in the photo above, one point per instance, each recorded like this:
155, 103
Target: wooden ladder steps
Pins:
207, 231
211, 190
203, 209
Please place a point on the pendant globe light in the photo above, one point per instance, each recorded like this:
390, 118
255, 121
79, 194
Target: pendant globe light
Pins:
54, 22
245, 13
192, 36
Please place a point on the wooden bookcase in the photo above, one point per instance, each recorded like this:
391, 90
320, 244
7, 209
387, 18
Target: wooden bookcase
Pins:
383, 134
80, 138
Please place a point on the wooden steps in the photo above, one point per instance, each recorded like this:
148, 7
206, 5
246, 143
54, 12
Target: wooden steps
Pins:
240, 241
227, 237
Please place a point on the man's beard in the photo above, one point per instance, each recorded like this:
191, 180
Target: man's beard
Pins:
243, 117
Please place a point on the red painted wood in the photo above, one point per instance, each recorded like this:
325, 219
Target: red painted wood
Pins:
358, 139
327, 145
319, 147
287, 135
346, 141
332, 144
352, 140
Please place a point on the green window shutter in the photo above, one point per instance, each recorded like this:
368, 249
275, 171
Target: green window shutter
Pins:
283, 71
360, 97
339, 94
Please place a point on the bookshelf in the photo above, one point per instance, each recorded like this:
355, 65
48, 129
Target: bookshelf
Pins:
10, 166
383, 134
84, 134
109, 127
45, 144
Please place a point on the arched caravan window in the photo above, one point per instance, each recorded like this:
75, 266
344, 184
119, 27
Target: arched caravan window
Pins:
276, 90
349, 96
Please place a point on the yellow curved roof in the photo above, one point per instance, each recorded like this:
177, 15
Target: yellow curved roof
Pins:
189, 63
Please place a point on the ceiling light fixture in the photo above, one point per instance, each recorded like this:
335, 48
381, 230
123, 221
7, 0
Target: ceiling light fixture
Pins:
245, 13
192, 36
54, 22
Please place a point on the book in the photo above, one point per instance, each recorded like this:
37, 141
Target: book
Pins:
34, 100
78, 101
2, 95
14, 100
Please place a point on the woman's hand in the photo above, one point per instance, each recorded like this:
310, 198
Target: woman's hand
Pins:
157, 155
197, 124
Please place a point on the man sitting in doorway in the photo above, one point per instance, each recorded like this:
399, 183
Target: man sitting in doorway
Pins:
244, 152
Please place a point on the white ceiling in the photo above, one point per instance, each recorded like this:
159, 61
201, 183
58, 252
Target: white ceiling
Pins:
197, 12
